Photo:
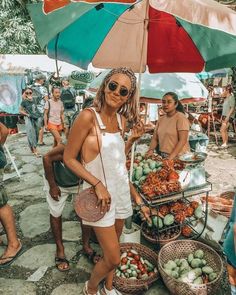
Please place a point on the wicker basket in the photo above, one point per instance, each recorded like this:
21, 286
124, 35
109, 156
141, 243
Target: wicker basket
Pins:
157, 241
181, 249
128, 286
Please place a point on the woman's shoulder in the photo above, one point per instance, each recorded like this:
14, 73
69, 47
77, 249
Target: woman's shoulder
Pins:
86, 115
181, 116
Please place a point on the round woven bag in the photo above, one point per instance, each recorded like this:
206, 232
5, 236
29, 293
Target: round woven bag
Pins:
86, 206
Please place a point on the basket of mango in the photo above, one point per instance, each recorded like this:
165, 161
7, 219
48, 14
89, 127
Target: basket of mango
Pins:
189, 267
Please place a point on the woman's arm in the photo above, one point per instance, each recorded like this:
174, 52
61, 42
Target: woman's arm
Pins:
78, 133
139, 201
183, 139
154, 141
23, 112
45, 117
3, 133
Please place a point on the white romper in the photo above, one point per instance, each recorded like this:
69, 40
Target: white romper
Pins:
114, 160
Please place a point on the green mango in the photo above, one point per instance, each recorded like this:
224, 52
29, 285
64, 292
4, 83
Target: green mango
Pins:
146, 171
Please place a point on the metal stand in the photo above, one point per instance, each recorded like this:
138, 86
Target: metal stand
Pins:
184, 195
12, 160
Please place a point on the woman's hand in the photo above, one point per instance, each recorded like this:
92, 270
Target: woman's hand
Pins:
146, 213
104, 198
137, 131
149, 153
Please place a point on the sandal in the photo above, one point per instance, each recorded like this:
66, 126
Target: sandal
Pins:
114, 291
85, 290
92, 256
10, 259
59, 261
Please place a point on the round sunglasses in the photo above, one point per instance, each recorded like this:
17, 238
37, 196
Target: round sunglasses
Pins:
28, 93
112, 86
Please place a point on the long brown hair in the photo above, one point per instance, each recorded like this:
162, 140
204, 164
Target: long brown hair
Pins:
129, 109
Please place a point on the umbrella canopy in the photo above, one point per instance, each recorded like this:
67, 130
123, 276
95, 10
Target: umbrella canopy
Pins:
153, 86
165, 35
221, 73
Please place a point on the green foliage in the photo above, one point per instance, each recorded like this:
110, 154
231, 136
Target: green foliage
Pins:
17, 35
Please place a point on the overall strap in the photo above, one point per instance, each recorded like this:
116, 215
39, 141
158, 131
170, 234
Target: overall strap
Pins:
99, 120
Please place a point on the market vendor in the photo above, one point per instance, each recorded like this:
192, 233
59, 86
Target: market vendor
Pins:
230, 249
172, 129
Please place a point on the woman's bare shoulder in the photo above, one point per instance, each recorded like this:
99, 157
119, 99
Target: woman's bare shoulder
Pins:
85, 117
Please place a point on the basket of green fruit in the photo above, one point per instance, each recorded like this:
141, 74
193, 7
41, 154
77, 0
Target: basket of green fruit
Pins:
137, 269
189, 267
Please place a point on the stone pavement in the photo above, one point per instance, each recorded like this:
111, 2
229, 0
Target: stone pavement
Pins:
34, 272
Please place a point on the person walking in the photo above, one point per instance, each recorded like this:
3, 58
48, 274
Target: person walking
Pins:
116, 101
228, 113
40, 95
14, 246
54, 115
29, 109
68, 97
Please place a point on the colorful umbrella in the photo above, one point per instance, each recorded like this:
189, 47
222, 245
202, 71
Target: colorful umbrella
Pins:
165, 35
153, 86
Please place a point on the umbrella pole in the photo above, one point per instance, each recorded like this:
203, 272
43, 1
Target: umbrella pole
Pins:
56, 60
146, 20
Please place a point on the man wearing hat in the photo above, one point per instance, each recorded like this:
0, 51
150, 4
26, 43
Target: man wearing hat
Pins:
40, 95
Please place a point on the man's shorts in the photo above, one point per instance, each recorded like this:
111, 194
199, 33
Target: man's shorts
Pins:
3, 192
52, 126
68, 115
56, 207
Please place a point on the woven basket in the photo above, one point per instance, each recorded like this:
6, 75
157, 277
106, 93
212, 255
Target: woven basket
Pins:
181, 249
128, 286
157, 241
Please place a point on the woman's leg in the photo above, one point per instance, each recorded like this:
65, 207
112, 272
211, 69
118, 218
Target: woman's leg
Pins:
108, 240
57, 137
119, 227
29, 132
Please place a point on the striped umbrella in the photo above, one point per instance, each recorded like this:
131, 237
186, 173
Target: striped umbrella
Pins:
165, 35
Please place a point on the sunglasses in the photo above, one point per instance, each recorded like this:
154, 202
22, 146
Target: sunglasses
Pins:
28, 93
112, 86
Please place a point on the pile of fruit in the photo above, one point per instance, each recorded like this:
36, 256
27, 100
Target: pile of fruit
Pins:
134, 266
174, 213
192, 269
156, 176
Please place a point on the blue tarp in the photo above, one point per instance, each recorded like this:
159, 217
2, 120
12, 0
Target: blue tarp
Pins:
11, 92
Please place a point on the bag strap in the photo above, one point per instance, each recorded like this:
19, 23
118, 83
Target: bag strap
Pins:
103, 170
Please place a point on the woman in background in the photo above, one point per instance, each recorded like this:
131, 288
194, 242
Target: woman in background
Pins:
172, 129
29, 109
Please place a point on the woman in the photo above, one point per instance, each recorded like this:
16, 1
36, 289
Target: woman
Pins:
227, 114
230, 249
172, 129
115, 102
32, 115
54, 115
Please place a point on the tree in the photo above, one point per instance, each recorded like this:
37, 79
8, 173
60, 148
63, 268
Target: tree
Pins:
17, 35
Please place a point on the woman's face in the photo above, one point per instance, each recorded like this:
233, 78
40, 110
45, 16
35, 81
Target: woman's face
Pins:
56, 93
117, 90
28, 93
168, 104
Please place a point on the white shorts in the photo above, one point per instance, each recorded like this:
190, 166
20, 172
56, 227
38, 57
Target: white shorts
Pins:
121, 208
56, 207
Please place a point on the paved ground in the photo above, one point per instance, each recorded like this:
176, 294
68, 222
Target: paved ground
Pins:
34, 271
